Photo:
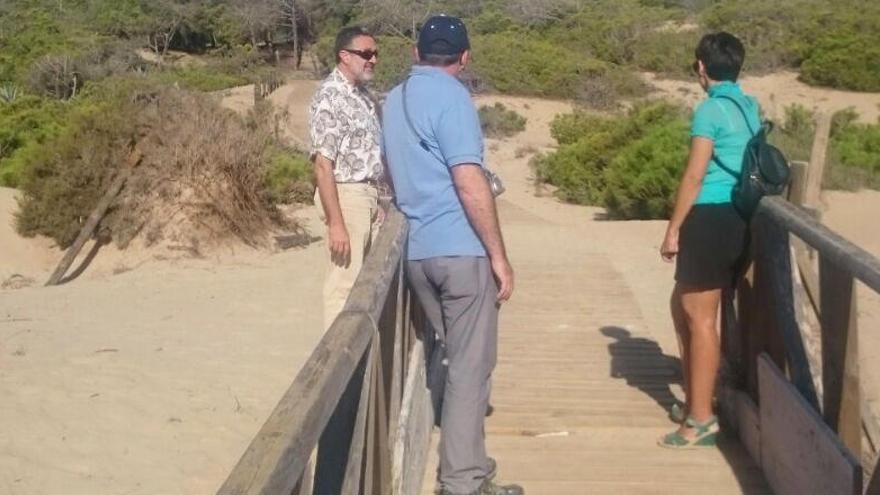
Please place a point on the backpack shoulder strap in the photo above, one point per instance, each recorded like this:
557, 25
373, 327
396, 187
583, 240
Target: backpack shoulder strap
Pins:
409, 123
742, 111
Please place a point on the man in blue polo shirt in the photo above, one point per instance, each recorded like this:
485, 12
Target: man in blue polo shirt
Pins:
456, 262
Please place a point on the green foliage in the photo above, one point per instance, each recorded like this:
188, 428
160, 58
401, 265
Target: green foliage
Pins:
795, 134
642, 180
629, 164
396, 61
64, 179
201, 79
516, 64
25, 125
498, 121
855, 152
853, 159
851, 62
289, 177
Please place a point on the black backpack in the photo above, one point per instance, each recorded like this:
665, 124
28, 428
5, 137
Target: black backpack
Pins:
764, 172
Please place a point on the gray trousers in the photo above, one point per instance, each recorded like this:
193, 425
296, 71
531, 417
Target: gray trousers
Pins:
458, 295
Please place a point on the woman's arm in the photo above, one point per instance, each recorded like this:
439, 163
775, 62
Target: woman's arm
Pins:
688, 190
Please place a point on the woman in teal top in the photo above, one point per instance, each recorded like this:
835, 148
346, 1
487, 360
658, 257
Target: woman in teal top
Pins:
706, 237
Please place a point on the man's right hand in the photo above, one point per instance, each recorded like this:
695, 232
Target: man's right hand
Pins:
339, 244
504, 277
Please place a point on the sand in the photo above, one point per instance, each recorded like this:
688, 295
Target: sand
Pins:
775, 92
151, 375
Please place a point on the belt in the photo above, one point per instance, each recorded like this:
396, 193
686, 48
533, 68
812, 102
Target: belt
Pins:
369, 182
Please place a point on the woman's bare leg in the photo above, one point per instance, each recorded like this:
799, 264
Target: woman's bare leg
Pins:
701, 311
680, 322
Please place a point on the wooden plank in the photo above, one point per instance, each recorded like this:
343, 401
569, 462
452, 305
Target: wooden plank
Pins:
774, 274
874, 485
816, 171
806, 315
855, 260
798, 185
304, 485
134, 158
277, 456
354, 468
741, 414
799, 453
840, 358
413, 433
377, 276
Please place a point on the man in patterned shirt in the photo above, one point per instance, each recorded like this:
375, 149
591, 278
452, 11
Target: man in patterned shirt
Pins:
345, 135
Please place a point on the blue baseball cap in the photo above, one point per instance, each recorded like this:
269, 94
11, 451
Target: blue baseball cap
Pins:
443, 35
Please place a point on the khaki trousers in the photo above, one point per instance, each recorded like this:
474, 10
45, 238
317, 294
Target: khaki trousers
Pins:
360, 211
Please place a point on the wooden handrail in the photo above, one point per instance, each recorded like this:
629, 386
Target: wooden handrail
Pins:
797, 306
843, 253
278, 456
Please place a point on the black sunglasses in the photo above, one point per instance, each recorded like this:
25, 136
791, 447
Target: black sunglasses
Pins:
364, 54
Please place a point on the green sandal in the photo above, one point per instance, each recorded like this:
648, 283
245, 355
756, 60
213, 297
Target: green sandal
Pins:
707, 433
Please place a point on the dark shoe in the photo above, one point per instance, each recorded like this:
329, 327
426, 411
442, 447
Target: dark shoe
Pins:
491, 471
490, 488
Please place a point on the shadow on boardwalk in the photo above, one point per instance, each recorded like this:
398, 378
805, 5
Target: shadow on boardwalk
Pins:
644, 366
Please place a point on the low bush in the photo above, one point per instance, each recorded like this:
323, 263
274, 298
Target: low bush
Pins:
203, 176
629, 164
26, 123
515, 64
201, 79
498, 121
642, 180
853, 158
849, 61
289, 177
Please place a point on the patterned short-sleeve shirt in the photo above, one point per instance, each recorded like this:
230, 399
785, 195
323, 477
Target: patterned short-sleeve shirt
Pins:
344, 128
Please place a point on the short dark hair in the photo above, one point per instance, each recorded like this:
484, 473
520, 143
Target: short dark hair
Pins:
723, 55
346, 36
439, 60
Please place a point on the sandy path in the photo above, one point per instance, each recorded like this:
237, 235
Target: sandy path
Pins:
151, 381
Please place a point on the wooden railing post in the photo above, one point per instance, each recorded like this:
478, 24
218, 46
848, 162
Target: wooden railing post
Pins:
840, 355
764, 333
816, 171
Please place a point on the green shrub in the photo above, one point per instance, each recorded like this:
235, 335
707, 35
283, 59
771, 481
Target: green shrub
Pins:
513, 63
289, 176
201, 79
853, 158
595, 150
794, 135
64, 179
25, 125
498, 121
849, 62
642, 180
774, 33
395, 63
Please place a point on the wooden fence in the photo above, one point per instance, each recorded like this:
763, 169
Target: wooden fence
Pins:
791, 383
359, 408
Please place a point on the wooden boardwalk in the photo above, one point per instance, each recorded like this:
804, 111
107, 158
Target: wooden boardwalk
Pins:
580, 391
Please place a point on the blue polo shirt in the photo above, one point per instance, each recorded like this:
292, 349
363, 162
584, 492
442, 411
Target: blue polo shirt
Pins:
444, 116
719, 119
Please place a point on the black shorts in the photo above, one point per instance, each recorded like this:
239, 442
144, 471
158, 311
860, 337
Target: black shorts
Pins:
711, 247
